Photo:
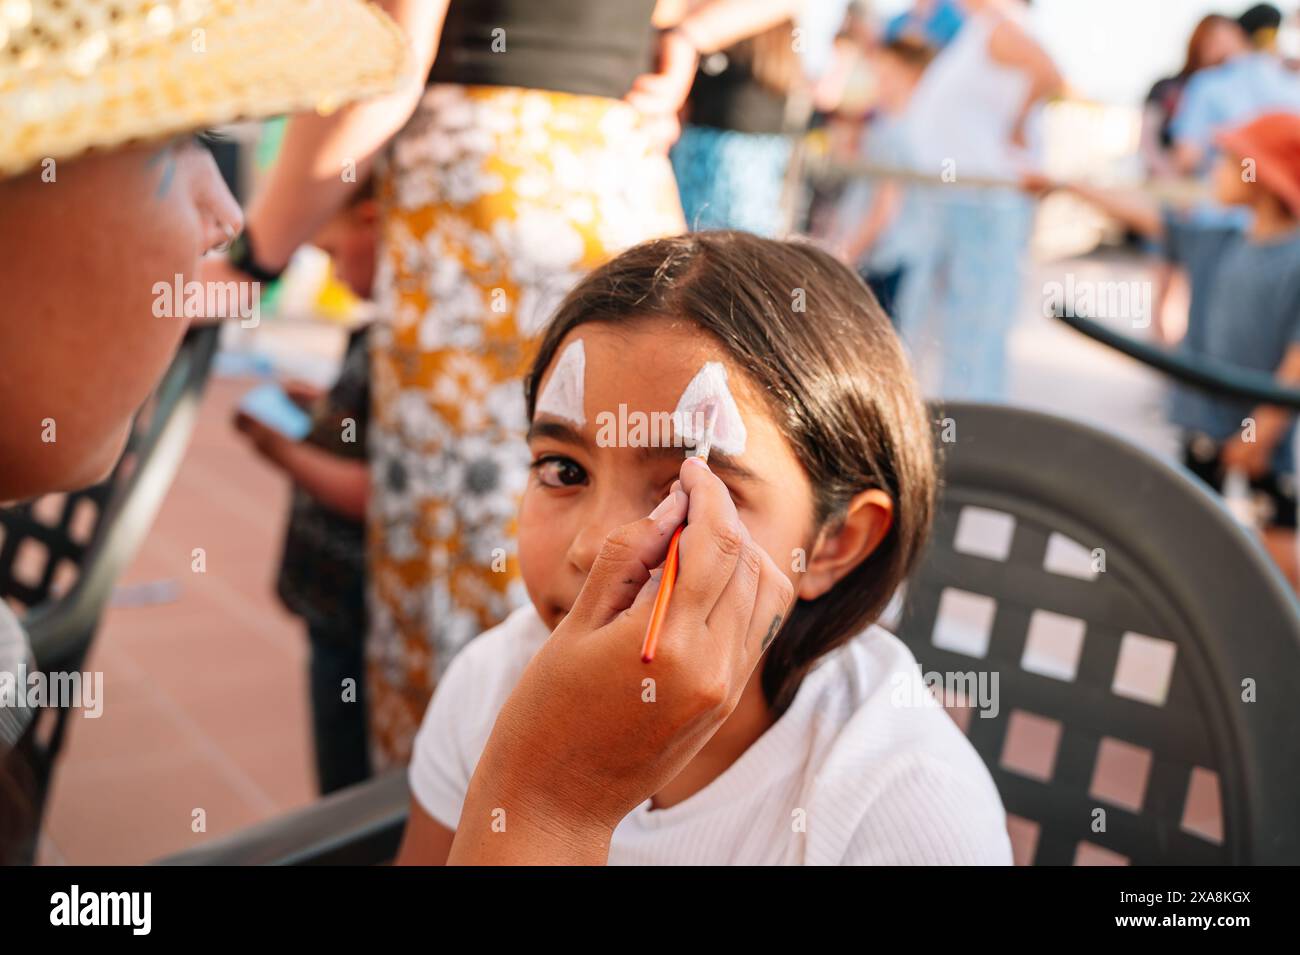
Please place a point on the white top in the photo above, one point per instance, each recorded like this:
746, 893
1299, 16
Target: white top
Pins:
964, 108
850, 774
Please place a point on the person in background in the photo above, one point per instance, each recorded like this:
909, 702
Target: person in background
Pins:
1212, 41
843, 95
1246, 84
323, 571
1261, 23
1265, 24
1245, 312
973, 115
734, 150
878, 224
934, 23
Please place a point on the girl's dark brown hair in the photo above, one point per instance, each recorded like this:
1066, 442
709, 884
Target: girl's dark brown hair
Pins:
811, 338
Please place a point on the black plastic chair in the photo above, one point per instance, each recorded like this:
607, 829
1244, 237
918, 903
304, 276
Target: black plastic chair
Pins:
1061, 557
88, 537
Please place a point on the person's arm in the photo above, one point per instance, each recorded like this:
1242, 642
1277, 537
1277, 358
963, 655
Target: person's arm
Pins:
1013, 47
712, 26
340, 484
884, 207
306, 187
1137, 212
304, 394
1157, 159
426, 841
1193, 124
1271, 425
718, 24
1187, 157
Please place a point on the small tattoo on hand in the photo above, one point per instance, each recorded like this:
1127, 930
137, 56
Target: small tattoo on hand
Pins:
771, 631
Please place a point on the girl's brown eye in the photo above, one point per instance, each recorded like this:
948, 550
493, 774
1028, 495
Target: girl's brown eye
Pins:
559, 471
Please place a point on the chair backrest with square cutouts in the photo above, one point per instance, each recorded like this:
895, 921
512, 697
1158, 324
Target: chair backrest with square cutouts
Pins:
1119, 651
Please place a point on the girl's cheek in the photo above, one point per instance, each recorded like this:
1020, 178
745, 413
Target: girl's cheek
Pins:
543, 541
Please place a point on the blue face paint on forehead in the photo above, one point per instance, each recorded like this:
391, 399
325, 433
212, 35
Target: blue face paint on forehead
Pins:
167, 157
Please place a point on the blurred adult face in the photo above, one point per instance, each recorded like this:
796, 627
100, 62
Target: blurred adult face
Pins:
1222, 42
80, 345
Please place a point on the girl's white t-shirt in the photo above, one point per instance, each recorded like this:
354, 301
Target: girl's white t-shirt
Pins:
859, 770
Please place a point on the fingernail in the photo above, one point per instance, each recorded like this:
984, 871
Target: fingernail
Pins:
698, 460
669, 505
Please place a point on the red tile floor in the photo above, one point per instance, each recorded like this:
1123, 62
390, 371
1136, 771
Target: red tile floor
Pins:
205, 701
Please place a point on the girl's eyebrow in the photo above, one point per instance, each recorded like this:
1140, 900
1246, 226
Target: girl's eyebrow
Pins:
726, 464
556, 430
718, 462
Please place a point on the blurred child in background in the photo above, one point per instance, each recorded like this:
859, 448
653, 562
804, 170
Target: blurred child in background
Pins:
1245, 310
876, 224
323, 571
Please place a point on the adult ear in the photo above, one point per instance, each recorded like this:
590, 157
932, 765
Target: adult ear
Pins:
842, 546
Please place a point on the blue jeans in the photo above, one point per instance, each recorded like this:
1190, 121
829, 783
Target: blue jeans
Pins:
731, 180
968, 281
338, 725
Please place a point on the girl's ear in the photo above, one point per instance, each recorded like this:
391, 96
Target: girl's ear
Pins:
843, 546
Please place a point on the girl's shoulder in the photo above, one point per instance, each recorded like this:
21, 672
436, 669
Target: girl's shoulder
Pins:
886, 744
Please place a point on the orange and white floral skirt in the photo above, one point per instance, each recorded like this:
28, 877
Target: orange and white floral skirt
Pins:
496, 201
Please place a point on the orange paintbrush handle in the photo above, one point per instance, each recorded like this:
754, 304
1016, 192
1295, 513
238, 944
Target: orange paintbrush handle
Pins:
661, 599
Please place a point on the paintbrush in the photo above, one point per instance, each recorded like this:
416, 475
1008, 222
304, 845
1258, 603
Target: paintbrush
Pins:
700, 449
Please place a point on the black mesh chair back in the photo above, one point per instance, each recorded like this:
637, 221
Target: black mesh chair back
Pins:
61, 555
1144, 646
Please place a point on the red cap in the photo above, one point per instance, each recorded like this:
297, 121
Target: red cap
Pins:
1273, 142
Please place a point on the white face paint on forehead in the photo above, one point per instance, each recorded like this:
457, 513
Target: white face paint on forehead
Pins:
562, 396
709, 388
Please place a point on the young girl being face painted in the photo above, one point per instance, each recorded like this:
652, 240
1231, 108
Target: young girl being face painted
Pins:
822, 442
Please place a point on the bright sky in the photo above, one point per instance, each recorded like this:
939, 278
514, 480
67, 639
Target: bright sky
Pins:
1113, 50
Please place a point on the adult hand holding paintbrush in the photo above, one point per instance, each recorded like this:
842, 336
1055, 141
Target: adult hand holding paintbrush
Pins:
577, 746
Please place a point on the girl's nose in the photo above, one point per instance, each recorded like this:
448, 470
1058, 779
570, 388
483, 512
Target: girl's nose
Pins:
610, 511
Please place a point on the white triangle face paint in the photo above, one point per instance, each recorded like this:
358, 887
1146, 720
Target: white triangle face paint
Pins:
709, 388
562, 396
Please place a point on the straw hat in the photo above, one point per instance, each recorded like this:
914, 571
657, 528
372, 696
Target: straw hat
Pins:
81, 74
